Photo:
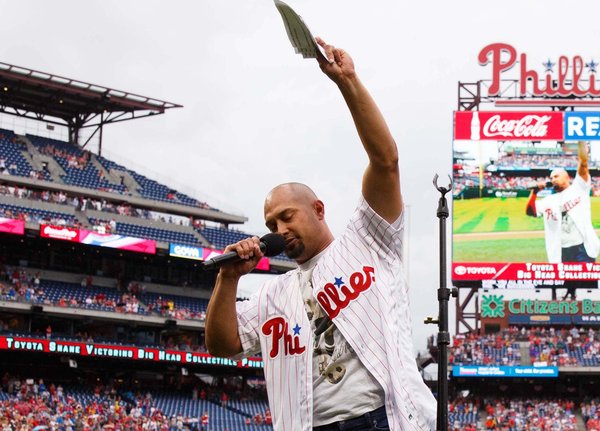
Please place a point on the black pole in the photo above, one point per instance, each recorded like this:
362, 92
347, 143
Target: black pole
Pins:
443, 338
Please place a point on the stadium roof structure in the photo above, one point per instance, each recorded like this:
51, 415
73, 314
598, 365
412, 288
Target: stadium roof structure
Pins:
69, 102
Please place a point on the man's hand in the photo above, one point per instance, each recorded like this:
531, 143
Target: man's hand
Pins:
338, 65
582, 156
221, 327
250, 253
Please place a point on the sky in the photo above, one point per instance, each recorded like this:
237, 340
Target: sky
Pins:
256, 114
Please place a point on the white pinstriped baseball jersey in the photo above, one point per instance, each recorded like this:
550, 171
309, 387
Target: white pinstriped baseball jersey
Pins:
371, 310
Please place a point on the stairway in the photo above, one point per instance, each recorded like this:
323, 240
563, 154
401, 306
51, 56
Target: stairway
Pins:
37, 160
524, 349
117, 176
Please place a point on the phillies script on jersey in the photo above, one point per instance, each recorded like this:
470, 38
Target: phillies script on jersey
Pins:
336, 296
279, 329
504, 126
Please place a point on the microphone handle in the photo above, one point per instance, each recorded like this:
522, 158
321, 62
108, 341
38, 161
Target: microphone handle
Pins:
229, 257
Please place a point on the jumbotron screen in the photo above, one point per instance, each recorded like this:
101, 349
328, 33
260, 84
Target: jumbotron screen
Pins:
526, 197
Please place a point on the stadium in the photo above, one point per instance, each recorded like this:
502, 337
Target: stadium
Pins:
103, 302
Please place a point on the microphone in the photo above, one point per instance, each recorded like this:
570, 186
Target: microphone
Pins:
271, 245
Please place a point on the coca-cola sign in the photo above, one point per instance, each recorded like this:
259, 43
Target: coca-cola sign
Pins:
573, 77
506, 126
59, 232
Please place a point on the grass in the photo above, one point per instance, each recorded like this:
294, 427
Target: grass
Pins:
500, 250
501, 215
498, 230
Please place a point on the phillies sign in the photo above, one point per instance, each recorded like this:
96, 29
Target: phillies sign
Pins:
568, 80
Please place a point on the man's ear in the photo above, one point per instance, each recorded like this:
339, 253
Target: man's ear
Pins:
319, 208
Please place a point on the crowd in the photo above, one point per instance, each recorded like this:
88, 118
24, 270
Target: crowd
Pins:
17, 285
536, 161
493, 349
562, 347
166, 307
74, 160
29, 217
7, 169
590, 410
32, 405
517, 414
530, 414
558, 346
509, 183
83, 203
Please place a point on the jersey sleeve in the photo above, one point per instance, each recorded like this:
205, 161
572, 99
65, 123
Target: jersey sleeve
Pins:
247, 318
540, 206
582, 184
376, 232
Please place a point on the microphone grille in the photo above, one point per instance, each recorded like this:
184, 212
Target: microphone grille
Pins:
274, 244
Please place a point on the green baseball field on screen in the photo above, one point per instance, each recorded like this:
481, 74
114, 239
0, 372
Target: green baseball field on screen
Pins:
498, 230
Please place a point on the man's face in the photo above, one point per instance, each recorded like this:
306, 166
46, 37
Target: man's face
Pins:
560, 179
298, 219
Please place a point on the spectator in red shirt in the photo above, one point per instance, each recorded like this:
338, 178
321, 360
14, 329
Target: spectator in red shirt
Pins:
204, 421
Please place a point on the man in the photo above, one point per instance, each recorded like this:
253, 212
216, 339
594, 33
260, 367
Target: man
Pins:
335, 333
569, 234
204, 421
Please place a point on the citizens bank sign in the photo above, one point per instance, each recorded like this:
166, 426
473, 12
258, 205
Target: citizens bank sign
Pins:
493, 306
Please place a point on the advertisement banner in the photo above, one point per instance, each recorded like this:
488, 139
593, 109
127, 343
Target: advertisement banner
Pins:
59, 232
540, 320
494, 306
506, 126
526, 271
503, 371
8, 225
97, 239
587, 320
516, 202
186, 251
582, 125
526, 180
118, 241
124, 352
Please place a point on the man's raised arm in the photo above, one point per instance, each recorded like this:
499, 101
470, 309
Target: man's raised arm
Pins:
582, 167
381, 180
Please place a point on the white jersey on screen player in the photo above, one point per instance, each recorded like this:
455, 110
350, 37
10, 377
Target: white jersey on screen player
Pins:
568, 221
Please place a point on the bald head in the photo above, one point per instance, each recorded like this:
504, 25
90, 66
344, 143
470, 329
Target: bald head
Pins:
296, 192
294, 211
558, 171
560, 179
